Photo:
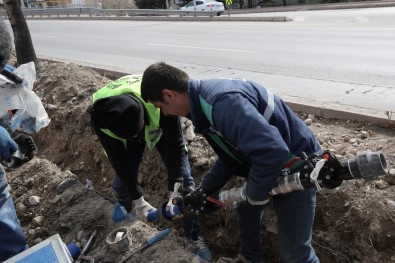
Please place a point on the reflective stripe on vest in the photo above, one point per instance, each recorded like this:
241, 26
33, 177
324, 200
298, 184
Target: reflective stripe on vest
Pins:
214, 133
131, 84
207, 109
270, 106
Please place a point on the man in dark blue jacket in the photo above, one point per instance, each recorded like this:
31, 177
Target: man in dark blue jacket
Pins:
254, 135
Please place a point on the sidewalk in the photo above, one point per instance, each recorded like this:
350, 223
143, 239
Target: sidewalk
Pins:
333, 6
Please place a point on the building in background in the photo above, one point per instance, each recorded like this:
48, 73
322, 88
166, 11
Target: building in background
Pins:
45, 3
62, 3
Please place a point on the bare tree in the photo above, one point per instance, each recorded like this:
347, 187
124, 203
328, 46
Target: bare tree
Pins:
23, 42
115, 4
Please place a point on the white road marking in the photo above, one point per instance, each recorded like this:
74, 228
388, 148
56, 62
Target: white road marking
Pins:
299, 19
208, 48
361, 19
43, 36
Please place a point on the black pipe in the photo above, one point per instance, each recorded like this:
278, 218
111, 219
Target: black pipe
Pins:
366, 165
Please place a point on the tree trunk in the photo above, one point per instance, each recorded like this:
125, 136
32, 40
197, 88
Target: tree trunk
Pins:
23, 42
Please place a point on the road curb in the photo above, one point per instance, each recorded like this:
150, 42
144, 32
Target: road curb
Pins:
339, 114
170, 18
315, 7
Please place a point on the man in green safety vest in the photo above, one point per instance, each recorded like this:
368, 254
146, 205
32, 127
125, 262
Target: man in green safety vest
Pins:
125, 124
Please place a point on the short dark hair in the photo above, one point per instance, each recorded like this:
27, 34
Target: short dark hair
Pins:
5, 44
160, 76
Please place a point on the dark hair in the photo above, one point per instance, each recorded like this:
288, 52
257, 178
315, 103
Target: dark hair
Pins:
160, 76
5, 44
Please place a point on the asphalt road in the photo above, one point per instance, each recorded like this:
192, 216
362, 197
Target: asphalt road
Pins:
335, 59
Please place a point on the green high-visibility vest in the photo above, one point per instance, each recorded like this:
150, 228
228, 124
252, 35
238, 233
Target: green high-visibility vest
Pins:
292, 160
131, 84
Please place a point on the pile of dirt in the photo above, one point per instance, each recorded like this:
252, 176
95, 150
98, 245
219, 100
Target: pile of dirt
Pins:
66, 188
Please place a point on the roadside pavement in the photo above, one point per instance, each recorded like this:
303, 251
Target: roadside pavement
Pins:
332, 6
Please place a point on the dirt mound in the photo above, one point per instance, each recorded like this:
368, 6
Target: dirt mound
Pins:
354, 223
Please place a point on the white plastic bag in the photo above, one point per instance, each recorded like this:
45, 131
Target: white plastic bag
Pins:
20, 108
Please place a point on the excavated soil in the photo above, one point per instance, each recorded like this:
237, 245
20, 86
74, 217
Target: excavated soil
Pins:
72, 178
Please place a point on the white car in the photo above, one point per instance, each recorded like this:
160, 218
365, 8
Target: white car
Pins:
204, 5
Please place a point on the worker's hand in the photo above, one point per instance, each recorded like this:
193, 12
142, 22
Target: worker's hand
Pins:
145, 211
188, 189
9, 67
7, 145
173, 194
7, 71
169, 204
172, 212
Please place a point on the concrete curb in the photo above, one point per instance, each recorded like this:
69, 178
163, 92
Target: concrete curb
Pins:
333, 6
339, 112
170, 18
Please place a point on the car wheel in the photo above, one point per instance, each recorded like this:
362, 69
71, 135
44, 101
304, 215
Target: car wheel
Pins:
218, 14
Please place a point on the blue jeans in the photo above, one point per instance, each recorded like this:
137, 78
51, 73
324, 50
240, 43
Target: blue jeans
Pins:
12, 238
190, 221
295, 216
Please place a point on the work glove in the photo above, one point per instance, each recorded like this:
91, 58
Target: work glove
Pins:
145, 211
172, 211
188, 189
171, 195
8, 72
7, 145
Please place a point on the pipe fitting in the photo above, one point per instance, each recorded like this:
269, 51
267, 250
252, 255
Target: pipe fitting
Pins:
119, 239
